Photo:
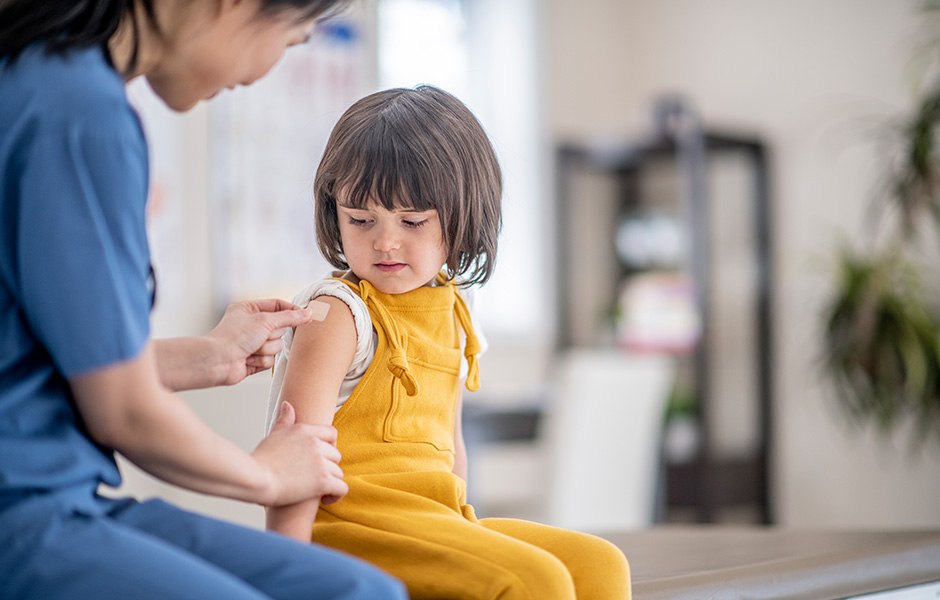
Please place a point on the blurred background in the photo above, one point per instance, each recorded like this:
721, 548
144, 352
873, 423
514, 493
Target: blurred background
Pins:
678, 177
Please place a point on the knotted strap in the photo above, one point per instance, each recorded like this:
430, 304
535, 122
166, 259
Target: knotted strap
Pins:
398, 361
472, 346
398, 365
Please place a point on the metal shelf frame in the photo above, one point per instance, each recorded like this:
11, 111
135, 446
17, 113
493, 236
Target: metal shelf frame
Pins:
708, 483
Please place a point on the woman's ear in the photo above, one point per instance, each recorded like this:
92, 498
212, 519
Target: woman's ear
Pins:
227, 4
224, 7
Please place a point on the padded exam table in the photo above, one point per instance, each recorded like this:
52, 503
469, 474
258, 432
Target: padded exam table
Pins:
734, 563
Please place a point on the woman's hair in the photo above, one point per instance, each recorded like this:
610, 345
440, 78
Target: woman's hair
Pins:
415, 148
68, 24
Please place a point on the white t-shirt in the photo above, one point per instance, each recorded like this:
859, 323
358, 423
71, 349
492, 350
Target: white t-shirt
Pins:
367, 340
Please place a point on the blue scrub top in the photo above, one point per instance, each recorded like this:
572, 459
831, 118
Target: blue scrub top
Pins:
75, 276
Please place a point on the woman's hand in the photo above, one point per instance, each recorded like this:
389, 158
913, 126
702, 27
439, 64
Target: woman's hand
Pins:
243, 343
249, 335
124, 407
302, 462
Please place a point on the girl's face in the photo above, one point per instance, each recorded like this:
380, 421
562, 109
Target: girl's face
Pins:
395, 250
221, 46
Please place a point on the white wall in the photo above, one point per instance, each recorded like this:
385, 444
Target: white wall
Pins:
807, 75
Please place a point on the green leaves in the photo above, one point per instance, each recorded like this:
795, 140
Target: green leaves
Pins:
882, 327
882, 343
916, 180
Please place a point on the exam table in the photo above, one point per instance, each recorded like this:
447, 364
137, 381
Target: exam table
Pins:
732, 563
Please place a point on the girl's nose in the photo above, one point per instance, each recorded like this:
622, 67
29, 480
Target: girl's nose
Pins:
385, 240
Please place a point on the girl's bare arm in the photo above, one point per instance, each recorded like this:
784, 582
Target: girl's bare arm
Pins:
320, 356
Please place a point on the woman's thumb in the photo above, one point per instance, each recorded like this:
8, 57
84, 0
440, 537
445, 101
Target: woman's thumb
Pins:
286, 416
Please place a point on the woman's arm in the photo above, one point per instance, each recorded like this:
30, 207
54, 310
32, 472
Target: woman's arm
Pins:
460, 448
243, 343
320, 357
125, 407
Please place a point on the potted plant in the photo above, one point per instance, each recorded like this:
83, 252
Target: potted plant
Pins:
882, 326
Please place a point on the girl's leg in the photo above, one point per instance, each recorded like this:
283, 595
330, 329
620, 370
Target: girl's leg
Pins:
450, 557
598, 568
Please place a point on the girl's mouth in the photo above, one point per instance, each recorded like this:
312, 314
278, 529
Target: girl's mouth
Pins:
390, 267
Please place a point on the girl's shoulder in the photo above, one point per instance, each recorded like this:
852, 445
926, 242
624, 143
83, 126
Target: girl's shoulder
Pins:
336, 288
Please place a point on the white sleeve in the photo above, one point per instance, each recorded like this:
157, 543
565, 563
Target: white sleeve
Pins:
365, 342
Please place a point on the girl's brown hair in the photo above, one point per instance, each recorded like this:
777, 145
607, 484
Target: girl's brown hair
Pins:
415, 148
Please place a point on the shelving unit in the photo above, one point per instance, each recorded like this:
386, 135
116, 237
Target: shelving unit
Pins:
676, 175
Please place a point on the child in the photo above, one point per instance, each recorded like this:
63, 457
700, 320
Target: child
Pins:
409, 185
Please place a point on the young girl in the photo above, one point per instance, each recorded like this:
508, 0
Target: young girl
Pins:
409, 185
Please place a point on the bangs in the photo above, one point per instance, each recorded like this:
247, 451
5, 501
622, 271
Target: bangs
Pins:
386, 169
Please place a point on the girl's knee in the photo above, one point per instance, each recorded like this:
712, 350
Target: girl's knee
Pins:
542, 577
603, 573
611, 556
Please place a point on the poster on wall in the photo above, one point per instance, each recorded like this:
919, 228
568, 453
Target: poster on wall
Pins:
264, 146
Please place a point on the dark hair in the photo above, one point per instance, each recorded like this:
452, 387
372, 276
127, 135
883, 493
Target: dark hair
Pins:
417, 148
67, 24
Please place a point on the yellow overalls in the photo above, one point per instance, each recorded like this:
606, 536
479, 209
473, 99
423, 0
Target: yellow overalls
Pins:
405, 510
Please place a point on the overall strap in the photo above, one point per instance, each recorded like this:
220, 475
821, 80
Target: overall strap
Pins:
473, 344
397, 361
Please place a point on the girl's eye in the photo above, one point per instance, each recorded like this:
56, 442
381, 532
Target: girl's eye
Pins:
358, 222
415, 224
